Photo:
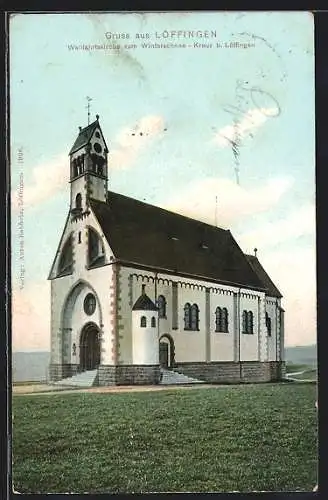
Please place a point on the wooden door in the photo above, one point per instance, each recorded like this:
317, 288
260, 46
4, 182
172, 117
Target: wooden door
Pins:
163, 354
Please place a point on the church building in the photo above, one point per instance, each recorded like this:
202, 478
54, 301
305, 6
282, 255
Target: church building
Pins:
137, 290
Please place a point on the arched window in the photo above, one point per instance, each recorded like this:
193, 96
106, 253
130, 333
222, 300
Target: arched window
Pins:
161, 301
96, 253
194, 317
221, 320
80, 164
75, 171
187, 316
268, 324
245, 322
143, 321
224, 320
250, 322
153, 322
66, 258
78, 201
218, 315
93, 245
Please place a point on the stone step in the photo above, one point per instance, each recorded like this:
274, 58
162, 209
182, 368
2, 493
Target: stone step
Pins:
172, 377
87, 378
83, 379
175, 374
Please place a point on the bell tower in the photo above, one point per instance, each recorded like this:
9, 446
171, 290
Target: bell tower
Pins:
88, 168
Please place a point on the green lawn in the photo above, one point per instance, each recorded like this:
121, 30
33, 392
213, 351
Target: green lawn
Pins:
245, 438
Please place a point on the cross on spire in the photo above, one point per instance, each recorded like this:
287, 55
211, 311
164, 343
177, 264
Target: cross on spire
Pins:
88, 107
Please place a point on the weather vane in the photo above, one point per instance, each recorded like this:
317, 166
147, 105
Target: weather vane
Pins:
88, 108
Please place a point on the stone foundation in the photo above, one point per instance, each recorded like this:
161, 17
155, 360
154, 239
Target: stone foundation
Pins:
278, 370
58, 372
216, 372
222, 372
128, 375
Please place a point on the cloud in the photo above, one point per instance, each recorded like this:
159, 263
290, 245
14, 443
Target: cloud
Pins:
293, 269
31, 317
294, 272
131, 140
197, 199
48, 179
248, 123
298, 223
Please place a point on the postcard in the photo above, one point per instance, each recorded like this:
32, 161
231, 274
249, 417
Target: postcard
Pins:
163, 252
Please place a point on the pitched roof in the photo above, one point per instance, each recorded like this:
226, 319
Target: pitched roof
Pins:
145, 235
144, 303
270, 287
85, 135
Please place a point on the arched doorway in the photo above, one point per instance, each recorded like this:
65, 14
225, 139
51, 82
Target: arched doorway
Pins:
72, 322
89, 347
166, 351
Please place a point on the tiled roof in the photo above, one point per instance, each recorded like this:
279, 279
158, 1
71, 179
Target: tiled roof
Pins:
270, 287
145, 235
84, 136
144, 303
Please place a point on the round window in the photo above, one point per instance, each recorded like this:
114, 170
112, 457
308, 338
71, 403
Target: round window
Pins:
97, 147
97, 135
89, 304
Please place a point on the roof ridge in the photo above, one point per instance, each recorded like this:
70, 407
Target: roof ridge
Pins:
88, 126
269, 284
144, 303
84, 136
122, 217
163, 209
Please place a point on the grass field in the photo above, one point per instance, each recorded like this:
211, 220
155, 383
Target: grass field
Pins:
245, 438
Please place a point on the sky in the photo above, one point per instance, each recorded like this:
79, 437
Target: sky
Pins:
226, 111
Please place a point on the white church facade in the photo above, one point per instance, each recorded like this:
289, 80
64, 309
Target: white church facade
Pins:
135, 288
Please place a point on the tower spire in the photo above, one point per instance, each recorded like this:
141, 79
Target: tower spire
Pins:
89, 99
216, 211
